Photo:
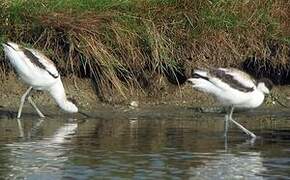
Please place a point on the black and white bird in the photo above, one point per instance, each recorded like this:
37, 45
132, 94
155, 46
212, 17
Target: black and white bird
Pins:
40, 73
232, 88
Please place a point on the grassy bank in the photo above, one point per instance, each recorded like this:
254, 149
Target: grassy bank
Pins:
128, 46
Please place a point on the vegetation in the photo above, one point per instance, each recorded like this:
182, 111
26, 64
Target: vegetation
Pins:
123, 44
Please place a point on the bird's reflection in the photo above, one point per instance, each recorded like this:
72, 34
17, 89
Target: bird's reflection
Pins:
20, 128
247, 142
232, 166
136, 145
37, 156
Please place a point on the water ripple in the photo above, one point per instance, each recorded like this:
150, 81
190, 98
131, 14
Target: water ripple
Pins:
143, 148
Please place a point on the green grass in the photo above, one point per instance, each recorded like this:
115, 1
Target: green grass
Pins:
35, 7
141, 38
219, 16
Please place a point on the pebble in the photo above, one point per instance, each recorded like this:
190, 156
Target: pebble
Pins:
134, 104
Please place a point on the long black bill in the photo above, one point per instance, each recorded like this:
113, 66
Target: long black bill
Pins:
85, 114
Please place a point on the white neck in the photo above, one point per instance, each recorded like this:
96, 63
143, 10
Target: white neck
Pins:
58, 94
258, 100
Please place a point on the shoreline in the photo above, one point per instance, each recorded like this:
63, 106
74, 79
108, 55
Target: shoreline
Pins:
83, 92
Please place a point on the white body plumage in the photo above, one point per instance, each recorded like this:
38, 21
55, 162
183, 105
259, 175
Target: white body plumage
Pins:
249, 94
233, 88
39, 72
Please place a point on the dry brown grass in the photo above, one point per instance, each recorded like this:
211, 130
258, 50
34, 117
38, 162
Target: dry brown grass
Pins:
122, 50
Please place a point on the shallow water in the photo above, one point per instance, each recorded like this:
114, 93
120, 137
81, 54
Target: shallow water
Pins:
161, 142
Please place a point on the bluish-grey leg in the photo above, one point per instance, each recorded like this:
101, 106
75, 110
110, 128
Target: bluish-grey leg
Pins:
23, 98
20, 128
226, 125
240, 126
35, 107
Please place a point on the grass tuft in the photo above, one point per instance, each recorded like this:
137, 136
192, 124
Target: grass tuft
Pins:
129, 44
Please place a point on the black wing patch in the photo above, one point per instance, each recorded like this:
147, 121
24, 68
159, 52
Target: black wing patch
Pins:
35, 60
230, 80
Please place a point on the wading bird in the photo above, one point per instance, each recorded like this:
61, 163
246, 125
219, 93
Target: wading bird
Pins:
232, 88
40, 73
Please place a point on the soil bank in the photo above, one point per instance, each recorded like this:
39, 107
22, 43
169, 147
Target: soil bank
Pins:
85, 95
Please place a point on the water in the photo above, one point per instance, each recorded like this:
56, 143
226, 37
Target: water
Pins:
152, 143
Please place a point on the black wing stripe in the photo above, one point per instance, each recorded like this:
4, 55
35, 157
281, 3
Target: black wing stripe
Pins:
196, 75
53, 75
230, 80
35, 60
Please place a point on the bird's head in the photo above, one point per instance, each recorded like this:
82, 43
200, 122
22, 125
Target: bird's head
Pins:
190, 81
71, 106
9, 46
265, 85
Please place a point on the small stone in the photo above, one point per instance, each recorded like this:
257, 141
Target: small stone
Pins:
134, 104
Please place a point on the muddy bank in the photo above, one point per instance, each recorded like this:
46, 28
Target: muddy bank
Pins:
83, 91
87, 99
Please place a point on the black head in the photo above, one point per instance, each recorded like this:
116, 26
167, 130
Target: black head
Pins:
268, 83
265, 85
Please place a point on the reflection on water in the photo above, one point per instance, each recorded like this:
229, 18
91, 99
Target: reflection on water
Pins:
38, 159
145, 144
242, 166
